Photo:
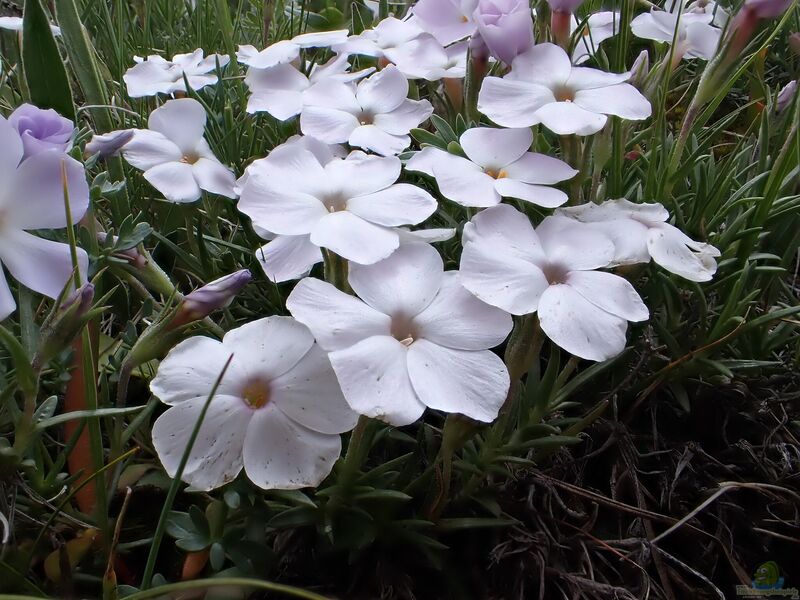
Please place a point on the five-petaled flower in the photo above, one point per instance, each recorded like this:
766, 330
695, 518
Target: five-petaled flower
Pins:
376, 116
498, 165
551, 271
277, 413
174, 155
413, 338
349, 206
156, 75
543, 87
641, 232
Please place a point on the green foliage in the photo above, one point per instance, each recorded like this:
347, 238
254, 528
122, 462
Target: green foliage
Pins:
45, 75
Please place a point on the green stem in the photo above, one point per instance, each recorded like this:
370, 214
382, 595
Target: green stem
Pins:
227, 582
523, 346
336, 271
161, 527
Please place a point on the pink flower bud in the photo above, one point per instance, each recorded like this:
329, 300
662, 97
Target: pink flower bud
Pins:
213, 296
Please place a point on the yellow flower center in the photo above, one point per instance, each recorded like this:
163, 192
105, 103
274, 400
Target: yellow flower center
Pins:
256, 394
190, 158
564, 94
496, 173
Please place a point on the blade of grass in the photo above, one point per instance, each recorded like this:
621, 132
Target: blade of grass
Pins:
147, 577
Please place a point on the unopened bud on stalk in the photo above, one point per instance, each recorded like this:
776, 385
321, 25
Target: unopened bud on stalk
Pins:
794, 43
785, 96
748, 18
561, 20
64, 323
479, 55
640, 70
212, 296
109, 144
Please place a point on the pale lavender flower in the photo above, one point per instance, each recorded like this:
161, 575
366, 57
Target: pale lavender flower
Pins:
506, 27
41, 130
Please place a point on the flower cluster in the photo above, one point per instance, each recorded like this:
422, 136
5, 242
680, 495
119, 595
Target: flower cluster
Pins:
391, 332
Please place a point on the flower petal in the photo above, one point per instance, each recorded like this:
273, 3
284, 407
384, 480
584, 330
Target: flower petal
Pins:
584, 78
504, 226
336, 319
405, 117
41, 265
622, 100
493, 148
474, 384
399, 204
512, 103
498, 263
7, 303
216, 456
610, 292
330, 125
11, 144
372, 137
669, 248
34, 194
182, 121
353, 238
212, 176
540, 195
424, 160
566, 118
278, 209
269, 347
544, 64
282, 454
401, 285
373, 375
457, 319
580, 327
575, 245
309, 394
191, 368
362, 173
541, 169
288, 257
175, 181
148, 149
465, 183
382, 92
281, 104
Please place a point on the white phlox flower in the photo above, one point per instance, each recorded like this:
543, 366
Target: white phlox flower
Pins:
447, 20
414, 338
174, 155
391, 33
277, 413
641, 232
551, 271
543, 87
498, 165
32, 198
599, 27
425, 58
155, 75
350, 206
698, 28
279, 90
286, 51
377, 115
